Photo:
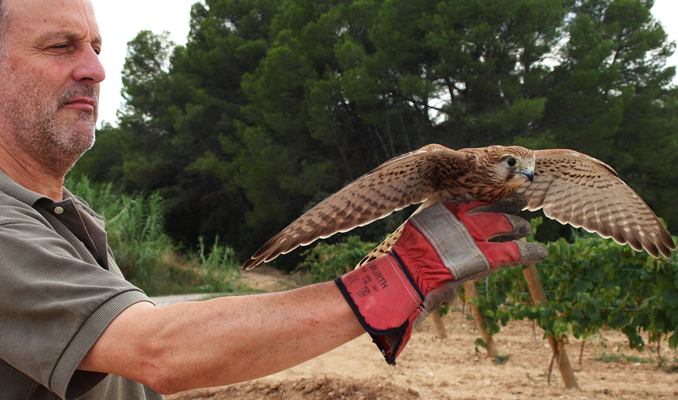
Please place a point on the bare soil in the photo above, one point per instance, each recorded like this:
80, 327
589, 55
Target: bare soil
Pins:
453, 368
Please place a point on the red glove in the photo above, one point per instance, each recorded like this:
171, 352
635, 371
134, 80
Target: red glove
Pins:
439, 248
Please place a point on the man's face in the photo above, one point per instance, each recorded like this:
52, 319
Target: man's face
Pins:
49, 80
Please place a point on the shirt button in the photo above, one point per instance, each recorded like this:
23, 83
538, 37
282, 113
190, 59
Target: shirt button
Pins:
58, 210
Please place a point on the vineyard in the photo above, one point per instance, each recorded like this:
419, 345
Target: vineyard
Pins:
589, 285
456, 368
584, 286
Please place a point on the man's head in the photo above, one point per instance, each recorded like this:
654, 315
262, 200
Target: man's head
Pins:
49, 80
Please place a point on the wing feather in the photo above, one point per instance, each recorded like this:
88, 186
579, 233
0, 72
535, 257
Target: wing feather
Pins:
394, 185
576, 189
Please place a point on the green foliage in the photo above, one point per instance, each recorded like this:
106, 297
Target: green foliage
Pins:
144, 252
102, 163
135, 232
611, 357
134, 225
271, 103
443, 311
502, 359
218, 268
591, 283
326, 262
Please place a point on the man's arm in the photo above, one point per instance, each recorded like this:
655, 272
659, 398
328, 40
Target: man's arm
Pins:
233, 339
224, 340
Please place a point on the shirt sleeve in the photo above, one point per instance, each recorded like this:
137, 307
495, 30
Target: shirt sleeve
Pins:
54, 305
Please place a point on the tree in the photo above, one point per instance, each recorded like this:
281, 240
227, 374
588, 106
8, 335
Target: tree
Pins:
271, 106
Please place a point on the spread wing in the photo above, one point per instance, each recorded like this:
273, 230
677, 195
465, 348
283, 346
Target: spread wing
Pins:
576, 189
399, 182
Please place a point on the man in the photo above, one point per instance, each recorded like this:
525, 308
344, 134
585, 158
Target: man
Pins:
72, 327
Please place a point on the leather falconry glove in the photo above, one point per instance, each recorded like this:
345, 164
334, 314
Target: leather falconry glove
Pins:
439, 249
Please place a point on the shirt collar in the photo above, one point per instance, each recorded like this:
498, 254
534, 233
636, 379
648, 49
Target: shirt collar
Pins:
13, 189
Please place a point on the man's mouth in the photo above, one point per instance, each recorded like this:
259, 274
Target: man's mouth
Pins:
81, 103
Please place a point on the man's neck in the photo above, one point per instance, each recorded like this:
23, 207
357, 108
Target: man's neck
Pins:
27, 172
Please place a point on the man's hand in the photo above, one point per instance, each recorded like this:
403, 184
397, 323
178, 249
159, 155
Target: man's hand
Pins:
440, 248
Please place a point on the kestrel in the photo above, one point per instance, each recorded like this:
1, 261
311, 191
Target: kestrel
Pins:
571, 187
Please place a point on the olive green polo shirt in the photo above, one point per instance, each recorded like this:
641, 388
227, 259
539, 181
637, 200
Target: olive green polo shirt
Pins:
59, 290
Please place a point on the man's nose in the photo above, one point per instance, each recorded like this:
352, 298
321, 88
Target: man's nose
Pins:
89, 67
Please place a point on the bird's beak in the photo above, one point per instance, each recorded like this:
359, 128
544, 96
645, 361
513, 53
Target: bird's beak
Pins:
528, 173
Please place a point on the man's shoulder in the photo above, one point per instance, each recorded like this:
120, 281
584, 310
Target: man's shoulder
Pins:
13, 210
11, 202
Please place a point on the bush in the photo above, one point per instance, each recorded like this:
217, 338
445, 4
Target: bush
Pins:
135, 228
328, 261
145, 253
218, 268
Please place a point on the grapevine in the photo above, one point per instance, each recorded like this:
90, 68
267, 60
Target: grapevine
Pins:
590, 283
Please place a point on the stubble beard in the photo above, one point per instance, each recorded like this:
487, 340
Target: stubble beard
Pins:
36, 128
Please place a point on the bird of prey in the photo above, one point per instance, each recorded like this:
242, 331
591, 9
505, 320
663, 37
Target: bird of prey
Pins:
571, 187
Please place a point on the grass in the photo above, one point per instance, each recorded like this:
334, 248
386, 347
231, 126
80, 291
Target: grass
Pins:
665, 364
145, 253
614, 358
502, 359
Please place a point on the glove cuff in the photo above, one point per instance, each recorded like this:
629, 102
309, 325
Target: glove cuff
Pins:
384, 299
382, 294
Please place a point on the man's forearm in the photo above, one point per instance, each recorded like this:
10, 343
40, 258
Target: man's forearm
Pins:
225, 340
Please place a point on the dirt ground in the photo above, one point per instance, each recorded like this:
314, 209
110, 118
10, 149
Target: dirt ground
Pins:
452, 368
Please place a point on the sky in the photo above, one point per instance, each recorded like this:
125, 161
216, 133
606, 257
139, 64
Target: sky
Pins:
121, 20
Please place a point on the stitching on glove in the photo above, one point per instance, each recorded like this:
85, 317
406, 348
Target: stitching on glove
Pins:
408, 285
401, 264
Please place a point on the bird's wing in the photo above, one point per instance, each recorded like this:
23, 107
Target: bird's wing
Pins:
399, 182
576, 189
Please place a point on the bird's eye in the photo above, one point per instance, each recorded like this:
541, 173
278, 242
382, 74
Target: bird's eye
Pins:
511, 162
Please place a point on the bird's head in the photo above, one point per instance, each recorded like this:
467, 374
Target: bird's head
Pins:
501, 170
514, 164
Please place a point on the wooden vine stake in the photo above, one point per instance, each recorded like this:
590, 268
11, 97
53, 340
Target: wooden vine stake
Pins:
440, 326
471, 292
558, 346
